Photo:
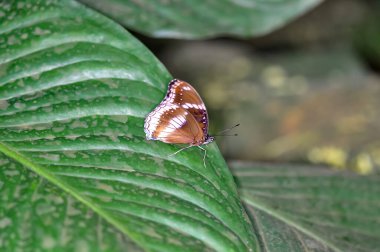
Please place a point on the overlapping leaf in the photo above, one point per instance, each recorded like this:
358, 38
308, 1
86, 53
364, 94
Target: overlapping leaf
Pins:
200, 19
74, 91
311, 209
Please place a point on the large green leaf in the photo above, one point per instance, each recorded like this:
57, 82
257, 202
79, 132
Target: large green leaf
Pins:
311, 209
199, 19
74, 91
37, 216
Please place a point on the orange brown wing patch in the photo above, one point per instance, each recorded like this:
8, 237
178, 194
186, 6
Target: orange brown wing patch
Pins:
184, 95
173, 124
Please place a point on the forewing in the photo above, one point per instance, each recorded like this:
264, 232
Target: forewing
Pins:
172, 124
184, 95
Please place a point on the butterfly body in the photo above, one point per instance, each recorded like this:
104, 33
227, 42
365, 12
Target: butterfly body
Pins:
181, 117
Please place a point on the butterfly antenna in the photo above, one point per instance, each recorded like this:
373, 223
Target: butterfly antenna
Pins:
225, 135
226, 130
178, 151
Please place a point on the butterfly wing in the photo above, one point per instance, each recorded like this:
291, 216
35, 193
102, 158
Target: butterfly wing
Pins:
184, 95
171, 123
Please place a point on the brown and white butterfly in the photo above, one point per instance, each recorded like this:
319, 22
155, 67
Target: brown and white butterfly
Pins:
181, 118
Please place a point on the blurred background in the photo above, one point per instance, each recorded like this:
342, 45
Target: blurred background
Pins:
306, 93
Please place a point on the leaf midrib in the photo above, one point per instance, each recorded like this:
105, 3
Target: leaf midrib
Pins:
139, 151
8, 151
125, 148
277, 215
41, 172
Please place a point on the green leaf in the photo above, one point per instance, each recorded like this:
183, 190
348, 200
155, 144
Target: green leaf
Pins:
201, 19
35, 216
74, 91
310, 209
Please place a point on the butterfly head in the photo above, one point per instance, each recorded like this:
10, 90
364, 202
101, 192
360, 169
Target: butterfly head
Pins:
208, 139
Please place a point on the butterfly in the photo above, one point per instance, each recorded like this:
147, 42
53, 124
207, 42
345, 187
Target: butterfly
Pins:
181, 118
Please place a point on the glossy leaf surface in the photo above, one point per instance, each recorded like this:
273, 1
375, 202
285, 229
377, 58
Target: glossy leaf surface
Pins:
200, 19
74, 91
310, 208
37, 216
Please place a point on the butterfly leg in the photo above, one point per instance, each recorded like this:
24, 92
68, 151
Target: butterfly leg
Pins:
204, 155
178, 151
